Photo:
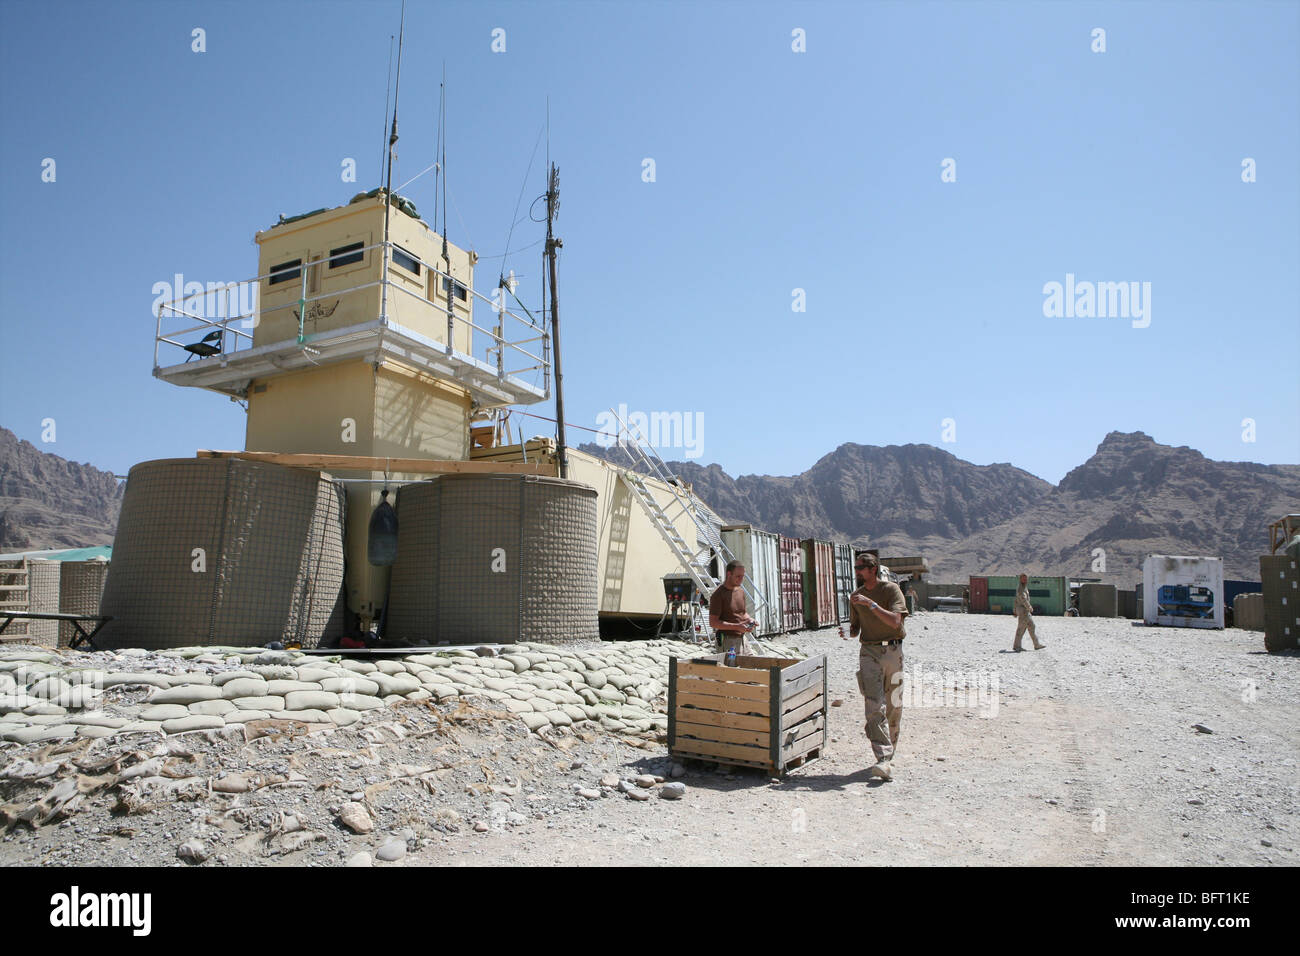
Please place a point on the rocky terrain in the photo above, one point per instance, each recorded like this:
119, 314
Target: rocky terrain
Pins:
1133, 497
1115, 745
50, 502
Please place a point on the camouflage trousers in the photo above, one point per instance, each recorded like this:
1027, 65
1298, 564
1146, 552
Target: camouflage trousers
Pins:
880, 678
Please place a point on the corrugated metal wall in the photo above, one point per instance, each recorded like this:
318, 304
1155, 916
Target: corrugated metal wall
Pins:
760, 553
845, 583
791, 560
818, 583
1049, 595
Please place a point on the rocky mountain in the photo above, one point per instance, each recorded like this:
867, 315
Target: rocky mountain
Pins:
1134, 496
50, 502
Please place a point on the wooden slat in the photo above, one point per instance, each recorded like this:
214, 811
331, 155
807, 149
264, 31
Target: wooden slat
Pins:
740, 675
418, 466
725, 705
718, 718
802, 667
774, 738
672, 701
756, 755
800, 731
717, 688
726, 735
800, 684
802, 747
807, 710
799, 699
762, 663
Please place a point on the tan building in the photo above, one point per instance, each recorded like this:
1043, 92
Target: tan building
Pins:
342, 356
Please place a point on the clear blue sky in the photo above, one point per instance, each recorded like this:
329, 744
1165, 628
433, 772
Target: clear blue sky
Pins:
775, 170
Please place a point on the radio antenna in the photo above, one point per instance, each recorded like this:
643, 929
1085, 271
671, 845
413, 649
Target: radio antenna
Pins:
388, 92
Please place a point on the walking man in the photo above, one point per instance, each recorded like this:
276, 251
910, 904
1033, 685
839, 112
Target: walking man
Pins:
727, 612
877, 609
1025, 615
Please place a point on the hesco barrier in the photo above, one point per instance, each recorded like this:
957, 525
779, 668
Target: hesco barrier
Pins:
1129, 606
43, 596
495, 559
1248, 612
1098, 600
1280, 576
81, 588
225, 551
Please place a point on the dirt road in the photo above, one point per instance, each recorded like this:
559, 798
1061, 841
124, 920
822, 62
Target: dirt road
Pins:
1090, 759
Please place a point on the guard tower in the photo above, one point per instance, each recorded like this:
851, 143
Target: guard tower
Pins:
347, 343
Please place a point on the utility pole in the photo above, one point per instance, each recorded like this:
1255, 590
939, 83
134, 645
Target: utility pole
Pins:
552, 245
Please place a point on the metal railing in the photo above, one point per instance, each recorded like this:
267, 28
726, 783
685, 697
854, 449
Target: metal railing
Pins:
225, 307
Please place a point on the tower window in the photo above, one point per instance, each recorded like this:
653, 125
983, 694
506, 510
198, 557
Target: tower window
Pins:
407, 261
346, 255
286, 271
460, 291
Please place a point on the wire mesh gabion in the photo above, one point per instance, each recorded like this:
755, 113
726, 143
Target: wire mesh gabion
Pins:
81, 588
43, 597
495, 559
223, 551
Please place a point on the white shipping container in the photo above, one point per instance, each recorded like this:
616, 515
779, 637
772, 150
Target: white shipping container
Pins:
759, 552
1182, 591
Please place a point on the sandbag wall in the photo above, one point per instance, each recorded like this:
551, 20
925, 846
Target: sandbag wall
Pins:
222, 551
495, 559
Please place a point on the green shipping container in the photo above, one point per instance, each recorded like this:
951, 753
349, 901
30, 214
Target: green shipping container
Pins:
1049, 595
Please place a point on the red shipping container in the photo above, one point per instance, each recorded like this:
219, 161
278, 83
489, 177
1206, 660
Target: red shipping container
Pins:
791, 563
819, 583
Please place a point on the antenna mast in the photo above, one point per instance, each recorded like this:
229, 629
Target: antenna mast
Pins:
388, 185
552, 245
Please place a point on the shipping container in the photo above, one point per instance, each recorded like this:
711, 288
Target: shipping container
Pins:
758, 552
1232, 588
979, 595
845, 582
1049, 596
1180, 591
790, 558
818, 582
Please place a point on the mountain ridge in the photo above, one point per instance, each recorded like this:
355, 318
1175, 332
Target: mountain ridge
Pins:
1131, 497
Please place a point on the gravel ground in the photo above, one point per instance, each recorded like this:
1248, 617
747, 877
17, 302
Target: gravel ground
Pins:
1085, 752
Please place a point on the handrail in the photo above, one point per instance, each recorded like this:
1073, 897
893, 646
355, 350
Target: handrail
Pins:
182, 306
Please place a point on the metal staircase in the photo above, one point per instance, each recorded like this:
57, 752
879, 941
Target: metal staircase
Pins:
708, 526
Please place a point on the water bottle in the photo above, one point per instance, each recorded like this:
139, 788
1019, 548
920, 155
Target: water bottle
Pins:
731, 657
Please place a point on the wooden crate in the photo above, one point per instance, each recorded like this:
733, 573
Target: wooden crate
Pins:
767, 712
